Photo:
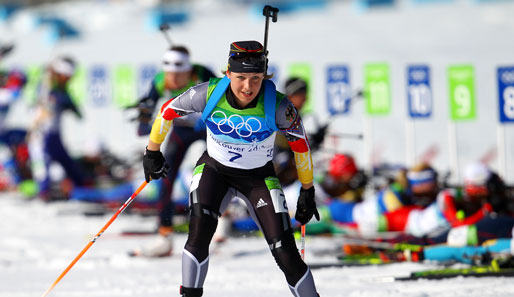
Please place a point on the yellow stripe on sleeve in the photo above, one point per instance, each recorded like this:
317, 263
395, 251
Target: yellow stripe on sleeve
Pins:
160, 128
304, 167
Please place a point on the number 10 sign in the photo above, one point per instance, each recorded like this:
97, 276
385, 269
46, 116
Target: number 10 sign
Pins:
419, 92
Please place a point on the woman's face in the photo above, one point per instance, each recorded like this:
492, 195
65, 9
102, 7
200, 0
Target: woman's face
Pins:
176, 80
60, 79
245, 86
298, 99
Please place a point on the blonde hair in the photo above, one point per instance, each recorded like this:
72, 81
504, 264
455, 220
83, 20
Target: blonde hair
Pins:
401, 176
422, 166
401, 179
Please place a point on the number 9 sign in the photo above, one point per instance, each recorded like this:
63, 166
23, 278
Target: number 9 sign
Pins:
462, 92
506, 94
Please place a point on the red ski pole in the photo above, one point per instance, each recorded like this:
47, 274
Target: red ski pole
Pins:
84, 250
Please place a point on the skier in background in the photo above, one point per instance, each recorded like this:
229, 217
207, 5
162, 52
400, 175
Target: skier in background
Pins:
475, 213
344, 180
177, 75
483, 185
53, 100
452, 207
242, 112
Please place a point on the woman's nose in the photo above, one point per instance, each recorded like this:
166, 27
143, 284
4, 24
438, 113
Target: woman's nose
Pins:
247, 84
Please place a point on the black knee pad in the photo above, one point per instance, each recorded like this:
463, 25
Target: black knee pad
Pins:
288, 258
202, 225
191, 292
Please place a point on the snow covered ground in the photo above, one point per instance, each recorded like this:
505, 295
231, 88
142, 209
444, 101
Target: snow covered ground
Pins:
433, 33
40, 239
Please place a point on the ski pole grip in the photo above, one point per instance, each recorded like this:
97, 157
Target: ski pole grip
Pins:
163, 27
270, 11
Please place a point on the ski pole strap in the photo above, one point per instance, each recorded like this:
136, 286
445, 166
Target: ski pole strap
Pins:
216, 95
270, 99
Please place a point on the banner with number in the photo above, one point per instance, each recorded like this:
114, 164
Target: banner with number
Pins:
124, 87
146, 75
304, 71
377, 89
99, 87
419, 93
77, 86
339, 93
461, 84
506, 94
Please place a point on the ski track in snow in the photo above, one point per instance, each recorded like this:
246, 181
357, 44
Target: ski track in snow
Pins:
39, 240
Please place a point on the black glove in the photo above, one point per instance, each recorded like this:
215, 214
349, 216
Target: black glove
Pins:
306, 206
154, 165
316, 139
145, 108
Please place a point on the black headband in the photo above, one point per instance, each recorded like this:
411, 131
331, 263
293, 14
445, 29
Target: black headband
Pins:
247, 65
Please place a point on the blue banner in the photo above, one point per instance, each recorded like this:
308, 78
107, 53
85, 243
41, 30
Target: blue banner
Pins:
419, 93
339, 93
99, 85
506, 93
364, 5
146, 75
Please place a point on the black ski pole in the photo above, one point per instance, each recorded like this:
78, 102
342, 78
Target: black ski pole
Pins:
164, 28
268, 12
5, 50
346, 135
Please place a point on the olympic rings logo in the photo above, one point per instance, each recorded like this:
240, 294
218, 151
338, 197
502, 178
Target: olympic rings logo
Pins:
231, 121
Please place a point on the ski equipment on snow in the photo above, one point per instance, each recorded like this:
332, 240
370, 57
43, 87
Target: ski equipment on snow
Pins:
86, 248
